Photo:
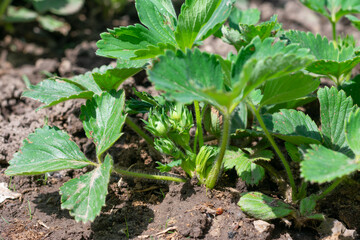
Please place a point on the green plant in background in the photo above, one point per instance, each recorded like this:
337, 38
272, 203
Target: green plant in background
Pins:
242, 27
334, 10
267, 77
332, 62
10, 14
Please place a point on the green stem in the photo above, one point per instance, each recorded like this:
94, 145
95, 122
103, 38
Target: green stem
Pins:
3, 6
199, 130
333, 25
329, 189
214, 172
138, 130
277, 150
148, 176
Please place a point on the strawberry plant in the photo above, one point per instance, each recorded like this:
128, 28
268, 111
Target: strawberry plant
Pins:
250, 95
50, 149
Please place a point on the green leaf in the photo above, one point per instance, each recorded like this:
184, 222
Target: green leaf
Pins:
59, 7
335, 108
263, 207
122, 42
331, 61
319, 46
217, 19
263, 30
111, 78
200, 18
283, 89
244, 164
307, 205
86, 80
47, 150
144, 104
352, 89
265, 61
204, 161
325, 165
103, 118
239, 118
352, 132
241, 35
19, 14
158, 20
167, 167
85, 196
354, 20
333, 9
317, 5
249, 17
57, 90
293, 126
51, 92
190, 76
153, 51
293, 152
51, 24
211, 121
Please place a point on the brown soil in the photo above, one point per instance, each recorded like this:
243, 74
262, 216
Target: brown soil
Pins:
135, 209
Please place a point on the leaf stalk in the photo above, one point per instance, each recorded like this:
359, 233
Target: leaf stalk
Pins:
199, 130
276, 148
215, 171
148, 176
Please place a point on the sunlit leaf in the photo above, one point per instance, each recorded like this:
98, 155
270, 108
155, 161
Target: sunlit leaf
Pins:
288, 88
103, 117
325, 165
85, 196
244, 164
51, 92
335, 108
263, 207
190, 76
46, 150
293, 126
330, 61
352, 132
200, 18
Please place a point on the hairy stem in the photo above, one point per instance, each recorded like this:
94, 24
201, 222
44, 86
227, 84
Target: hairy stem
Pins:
138, 130
277, 150
215, 171
199, 131
329, 189
148, 176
